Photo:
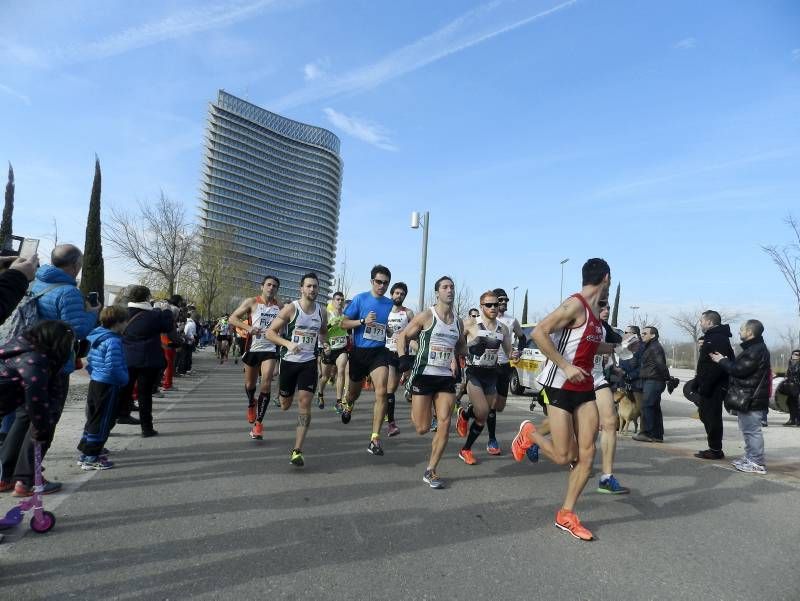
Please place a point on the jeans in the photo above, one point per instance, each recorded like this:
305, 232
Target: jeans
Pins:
651, 409
750, 426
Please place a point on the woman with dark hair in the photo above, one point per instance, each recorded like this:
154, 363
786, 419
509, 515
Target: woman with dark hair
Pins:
142, 340
27, 366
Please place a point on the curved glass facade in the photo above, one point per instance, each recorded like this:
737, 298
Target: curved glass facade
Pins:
276, 184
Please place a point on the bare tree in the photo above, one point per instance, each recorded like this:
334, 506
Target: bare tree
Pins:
787, 258
343, 280
158, 238
214, 276
689, 323
791, 337
463, 301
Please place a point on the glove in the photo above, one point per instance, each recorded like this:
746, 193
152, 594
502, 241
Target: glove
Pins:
404, 363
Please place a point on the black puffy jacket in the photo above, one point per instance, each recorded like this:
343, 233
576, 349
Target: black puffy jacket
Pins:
750, 377
654, 362
711, 380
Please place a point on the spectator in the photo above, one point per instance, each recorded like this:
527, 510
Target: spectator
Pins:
631, 366
748, 393
29, 381
711, 381
14, 283
654, 375
189, 342
791, 388
109, 372
142, 341
60, 300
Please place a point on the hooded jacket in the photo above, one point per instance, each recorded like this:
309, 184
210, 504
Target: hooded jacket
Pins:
711, 380
106, 357
142, 336
750, 377
65, 303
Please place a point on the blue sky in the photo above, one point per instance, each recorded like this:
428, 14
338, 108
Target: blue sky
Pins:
663, 136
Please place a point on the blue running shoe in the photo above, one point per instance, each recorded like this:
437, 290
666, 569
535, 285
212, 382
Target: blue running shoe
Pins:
611, 486
533, 453
434, 425
493, 448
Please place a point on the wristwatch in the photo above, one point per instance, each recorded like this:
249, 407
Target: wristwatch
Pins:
363, 321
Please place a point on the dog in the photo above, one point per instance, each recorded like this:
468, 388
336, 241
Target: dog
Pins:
628, 411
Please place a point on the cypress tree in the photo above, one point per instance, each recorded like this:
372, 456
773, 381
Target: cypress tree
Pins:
6, 228
615, 312
92, 278
525, 308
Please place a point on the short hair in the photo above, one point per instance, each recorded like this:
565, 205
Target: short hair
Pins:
111, 316
338, 293
653, 331
53, 338
635, 330
594, 270
271, 277
797, 351
442, 279
176, 299
380, 269
473, 309
400, 285
712, 316
308, 275
65, 255
755, 327
138, 294
487, 294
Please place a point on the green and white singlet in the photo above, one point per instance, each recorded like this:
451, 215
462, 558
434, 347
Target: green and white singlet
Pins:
437, 348
303, 330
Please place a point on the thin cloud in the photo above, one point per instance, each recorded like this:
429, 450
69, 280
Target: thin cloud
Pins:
364, 130
15, 94
685, 44
316, 69
796, 55
470, 29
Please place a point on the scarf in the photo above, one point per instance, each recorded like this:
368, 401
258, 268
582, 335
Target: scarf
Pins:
144, 306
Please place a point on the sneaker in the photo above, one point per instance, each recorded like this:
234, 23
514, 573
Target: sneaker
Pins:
149, 433
434, 425
462, 424
128, 420
567, 520
276, 401
96, 463
764, 424
642, 437
533, 453
611, 486
257, 432
339, 407
251, 414
320, 401
750, 467
467, 457
393, 430
6, 486
347, 413
22, 490
710, 454
297, 458
432, 479
522, 441
493, 448
375, 447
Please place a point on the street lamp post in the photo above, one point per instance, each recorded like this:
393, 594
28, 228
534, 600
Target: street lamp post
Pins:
422, 220
634, 308
514, 301
561, 298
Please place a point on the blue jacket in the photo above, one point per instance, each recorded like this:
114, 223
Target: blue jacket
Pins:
65, 303
106, 357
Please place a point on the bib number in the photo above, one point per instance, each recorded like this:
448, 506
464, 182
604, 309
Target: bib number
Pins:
304, 339
440, 356
338, 342
488, 358
375, 332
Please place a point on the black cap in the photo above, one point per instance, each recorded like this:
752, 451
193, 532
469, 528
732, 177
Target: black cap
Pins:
499, 292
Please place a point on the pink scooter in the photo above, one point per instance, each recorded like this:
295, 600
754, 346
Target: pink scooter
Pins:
42, 521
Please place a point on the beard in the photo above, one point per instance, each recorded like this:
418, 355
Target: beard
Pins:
398, 302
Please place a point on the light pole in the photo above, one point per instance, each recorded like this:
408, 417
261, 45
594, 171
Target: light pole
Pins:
422, 220
514, 301
561, 298
634, 308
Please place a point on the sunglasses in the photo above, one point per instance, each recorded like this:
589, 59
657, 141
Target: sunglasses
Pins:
381, 282
473, 315
490, 305
503, 301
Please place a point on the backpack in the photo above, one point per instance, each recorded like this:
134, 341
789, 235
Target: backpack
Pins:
25, 316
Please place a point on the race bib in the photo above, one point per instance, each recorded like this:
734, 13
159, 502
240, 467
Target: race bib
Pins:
305, 339
488, 358
598, 361
338, 342
263, 325
440, 356
375, 331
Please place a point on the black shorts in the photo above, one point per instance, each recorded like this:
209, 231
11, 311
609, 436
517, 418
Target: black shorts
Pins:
221, 338
254, 359
485, 379
568, 400
297, 376
330, 358
392, 359
503, 379
423, 385
363, 361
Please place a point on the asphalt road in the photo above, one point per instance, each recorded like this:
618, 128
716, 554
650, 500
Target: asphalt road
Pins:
203, 512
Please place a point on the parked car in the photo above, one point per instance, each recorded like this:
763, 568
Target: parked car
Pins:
527, 367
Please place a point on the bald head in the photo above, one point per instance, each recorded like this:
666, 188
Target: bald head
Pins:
68, 258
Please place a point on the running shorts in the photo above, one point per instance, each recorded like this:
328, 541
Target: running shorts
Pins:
392, 359
221, 338
485, 379
254, 359
423, 385
297, 376
503, 379
331, 357
363, 361
568, 400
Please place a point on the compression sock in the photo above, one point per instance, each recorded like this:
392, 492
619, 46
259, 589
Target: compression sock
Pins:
263, 403
469, 413
491, 422
251, 394
390, 406
474, 431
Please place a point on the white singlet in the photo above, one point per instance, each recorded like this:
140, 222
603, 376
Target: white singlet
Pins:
507, 321
394, 325
437, 347
262, 317
303, 330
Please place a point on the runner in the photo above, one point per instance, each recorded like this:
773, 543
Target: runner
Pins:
223, 333
303, 319
485, 337
334, 362
433, 375
260, 357
368, 315
398, 319
568, 388
473, 313
504, 370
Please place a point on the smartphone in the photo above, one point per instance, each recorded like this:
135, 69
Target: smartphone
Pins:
28, 248
93, 298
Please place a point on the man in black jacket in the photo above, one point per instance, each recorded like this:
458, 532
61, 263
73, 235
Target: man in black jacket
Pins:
654, 374
14, 283
748, 393
711, 381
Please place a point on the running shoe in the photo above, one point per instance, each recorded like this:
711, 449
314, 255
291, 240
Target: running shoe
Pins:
297, 458
347, 413
96, 463
533, 453
375, 447
320, 401
467, 457
740, 460
462, 424
434, 425
432, 479
611, 486
276, 401
751, 467
493, 448
393, 430
522, 441
339, 408
567, 520
251, 414
257, 433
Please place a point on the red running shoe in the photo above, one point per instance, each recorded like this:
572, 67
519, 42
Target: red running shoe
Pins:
467, 457
257, 433
567, 520
251, 414
522, 441
462, 424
